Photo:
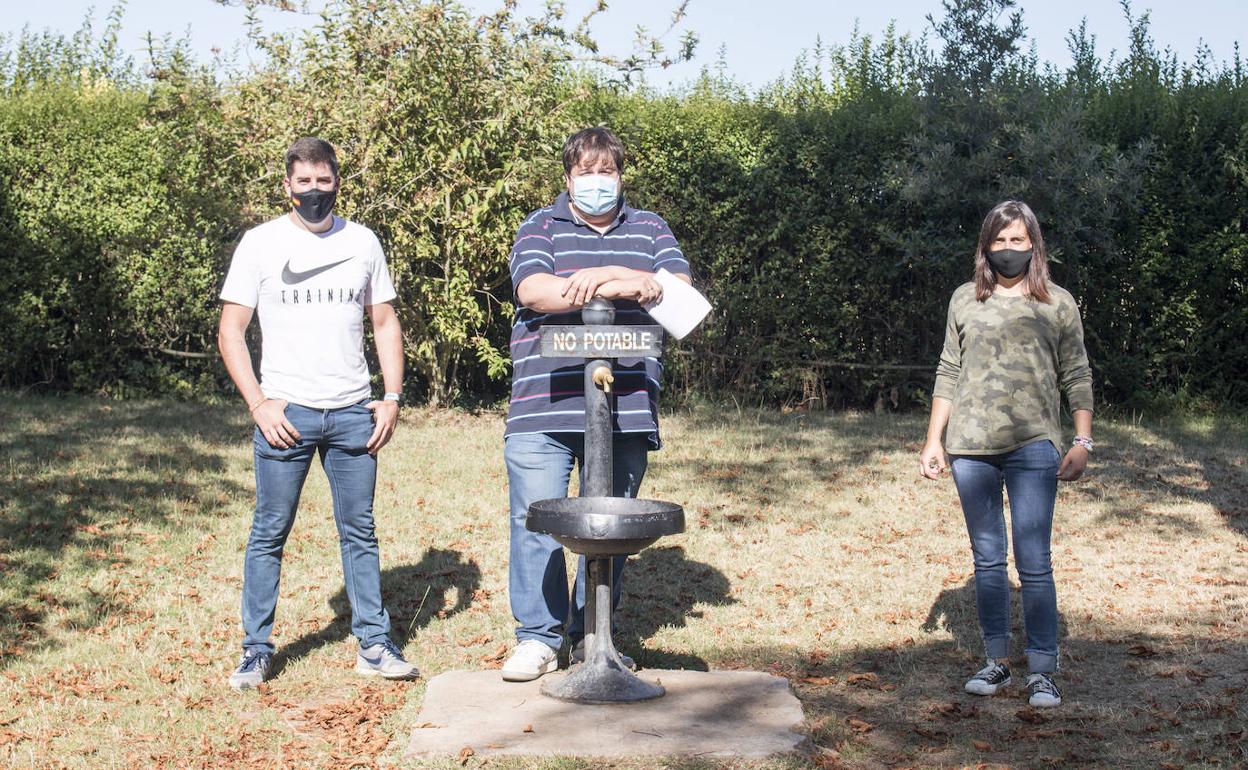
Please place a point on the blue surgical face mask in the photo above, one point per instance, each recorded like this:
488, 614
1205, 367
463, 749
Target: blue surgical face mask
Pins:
595, 194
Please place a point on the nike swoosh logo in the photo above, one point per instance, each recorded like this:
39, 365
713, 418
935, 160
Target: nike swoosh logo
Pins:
291, 277
371, 661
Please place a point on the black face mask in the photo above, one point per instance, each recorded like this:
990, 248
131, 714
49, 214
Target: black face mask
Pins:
314, 205
1009, 263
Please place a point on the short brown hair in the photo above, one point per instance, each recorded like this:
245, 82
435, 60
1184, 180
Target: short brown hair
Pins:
1002, 216
592, 142
310, 149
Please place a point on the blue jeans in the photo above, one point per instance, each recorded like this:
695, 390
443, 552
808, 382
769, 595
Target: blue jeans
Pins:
339, 436
539, 466
1030, 476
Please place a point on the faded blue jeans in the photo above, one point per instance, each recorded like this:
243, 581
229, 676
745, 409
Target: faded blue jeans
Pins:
1030, 477
339, 436
539, 466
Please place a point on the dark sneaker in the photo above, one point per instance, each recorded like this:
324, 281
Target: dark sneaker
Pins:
1041, 692
578, 656
385, 660
252, 669
989, 680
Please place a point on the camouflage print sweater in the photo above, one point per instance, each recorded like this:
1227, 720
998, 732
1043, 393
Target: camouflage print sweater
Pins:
1004, 362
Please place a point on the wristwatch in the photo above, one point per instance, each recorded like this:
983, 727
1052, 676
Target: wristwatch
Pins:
395, 397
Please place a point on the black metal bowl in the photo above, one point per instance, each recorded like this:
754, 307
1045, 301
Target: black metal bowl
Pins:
605, 526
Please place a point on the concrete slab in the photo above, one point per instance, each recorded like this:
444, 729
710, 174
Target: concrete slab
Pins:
705, 713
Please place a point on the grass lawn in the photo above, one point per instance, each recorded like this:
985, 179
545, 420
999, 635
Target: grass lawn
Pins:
813, 551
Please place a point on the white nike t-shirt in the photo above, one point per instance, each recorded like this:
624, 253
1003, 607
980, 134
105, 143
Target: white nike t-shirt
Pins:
310, 291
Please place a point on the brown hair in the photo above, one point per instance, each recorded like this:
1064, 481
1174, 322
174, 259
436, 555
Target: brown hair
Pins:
592, 142
1002, 216
311, 150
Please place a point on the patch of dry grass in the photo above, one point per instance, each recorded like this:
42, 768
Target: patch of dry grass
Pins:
813, 550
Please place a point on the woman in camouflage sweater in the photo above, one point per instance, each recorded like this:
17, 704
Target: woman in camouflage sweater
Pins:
1013, 344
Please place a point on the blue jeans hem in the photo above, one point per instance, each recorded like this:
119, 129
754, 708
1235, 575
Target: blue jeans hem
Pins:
997, 647
523, 636
1042, 662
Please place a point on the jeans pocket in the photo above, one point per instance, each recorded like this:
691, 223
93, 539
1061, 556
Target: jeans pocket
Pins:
268, 451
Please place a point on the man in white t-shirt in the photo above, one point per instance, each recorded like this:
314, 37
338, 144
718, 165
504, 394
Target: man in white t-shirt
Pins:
311, 277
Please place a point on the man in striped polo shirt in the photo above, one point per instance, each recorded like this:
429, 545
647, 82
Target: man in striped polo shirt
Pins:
588, 243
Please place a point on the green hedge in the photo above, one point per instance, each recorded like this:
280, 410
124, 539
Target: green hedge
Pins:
828, 215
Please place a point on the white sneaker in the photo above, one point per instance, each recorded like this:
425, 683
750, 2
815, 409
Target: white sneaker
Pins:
530, 660
578, 656
385, 660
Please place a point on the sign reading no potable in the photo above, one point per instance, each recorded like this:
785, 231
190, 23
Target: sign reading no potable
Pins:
601, 341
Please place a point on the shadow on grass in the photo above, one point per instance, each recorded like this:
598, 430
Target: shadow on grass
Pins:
413, 594
755, 459
79, 476
1182, 461
663, 588
1135, 472
1142, 702
954, 612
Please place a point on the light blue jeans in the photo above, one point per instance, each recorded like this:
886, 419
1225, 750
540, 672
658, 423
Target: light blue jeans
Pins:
339, 436
1030, 476
539, 466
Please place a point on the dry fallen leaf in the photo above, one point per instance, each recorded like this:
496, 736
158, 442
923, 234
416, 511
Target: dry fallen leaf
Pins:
954, 711
464, 754
859, 726
498, 654
1141, 651
982, 745
863, 680
1031, 716
528, 728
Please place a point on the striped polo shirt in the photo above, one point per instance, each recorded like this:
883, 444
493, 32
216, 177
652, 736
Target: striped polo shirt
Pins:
547, 394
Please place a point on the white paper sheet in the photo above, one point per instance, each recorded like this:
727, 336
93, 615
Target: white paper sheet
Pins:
682, 307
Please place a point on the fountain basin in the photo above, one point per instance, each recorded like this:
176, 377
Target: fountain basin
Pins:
605, 526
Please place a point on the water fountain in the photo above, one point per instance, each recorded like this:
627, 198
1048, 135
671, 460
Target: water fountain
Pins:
597, 525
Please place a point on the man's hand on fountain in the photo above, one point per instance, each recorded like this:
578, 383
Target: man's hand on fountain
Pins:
640, 286
649, 291
584, 284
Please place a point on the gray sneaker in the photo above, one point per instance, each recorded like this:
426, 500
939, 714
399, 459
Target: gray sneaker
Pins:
578, 656
385, 660
253, 668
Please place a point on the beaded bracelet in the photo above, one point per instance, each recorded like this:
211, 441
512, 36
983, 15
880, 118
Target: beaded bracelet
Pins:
253, 407
1083, 441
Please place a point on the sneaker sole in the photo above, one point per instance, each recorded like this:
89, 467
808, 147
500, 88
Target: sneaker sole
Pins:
529, 676
240, 686
1046, 704
369, 671
985, 688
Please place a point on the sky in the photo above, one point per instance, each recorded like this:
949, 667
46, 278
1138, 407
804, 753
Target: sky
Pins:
757, 46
